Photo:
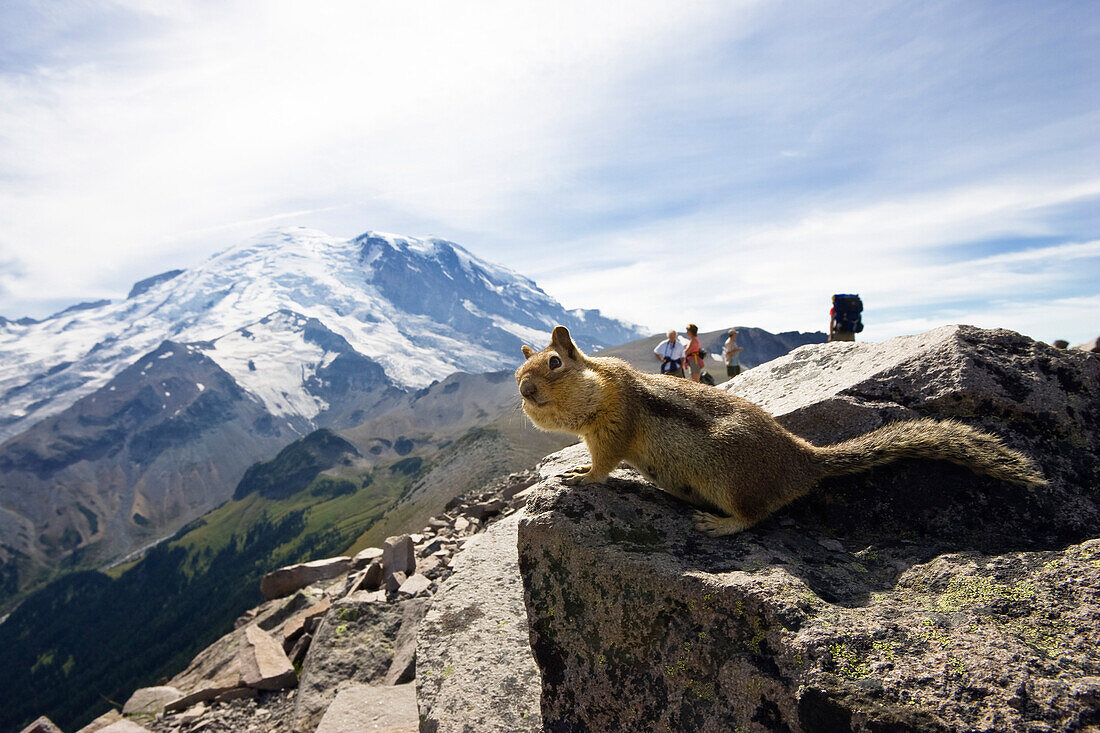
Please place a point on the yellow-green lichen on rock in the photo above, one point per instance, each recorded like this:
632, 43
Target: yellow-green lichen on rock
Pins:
916, 596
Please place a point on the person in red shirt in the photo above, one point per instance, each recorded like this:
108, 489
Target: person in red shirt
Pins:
692, 354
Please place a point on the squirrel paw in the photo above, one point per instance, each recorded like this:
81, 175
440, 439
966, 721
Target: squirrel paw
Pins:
575, 476
717, 526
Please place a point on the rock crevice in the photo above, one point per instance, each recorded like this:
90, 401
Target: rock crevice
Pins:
916, 596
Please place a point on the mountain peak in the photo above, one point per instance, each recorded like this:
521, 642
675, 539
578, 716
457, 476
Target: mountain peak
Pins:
420, 308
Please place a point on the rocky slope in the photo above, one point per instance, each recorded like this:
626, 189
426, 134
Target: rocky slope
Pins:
91, 634
913, 597
335, 649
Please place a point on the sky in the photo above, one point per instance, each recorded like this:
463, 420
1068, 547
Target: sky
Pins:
726, 163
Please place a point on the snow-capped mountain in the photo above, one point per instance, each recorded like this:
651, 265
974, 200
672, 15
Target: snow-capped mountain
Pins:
122, 421
421, 308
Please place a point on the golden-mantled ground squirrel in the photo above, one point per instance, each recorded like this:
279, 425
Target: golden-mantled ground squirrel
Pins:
718, 451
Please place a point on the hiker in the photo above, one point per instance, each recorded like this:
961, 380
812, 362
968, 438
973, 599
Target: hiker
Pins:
845, 317
731, 351
694, 353
670, 353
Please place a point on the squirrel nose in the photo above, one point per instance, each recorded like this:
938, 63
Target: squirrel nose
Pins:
527, 388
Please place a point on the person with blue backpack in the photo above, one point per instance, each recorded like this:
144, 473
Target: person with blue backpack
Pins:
845, 317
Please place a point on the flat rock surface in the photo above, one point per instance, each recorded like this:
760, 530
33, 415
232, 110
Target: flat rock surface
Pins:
915, 597
474, 666
372, 709
415, 584
124, 726
264, 665
219, 664
150, 700
354, 643
285, 581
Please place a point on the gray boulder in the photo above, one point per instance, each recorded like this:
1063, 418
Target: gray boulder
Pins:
284, 581
263, 663
415, 585
215, 672
150, 700
41, 725
1092, 347
474, 668
917, 596
365, 557
354, 643
365, 708
398, 555
124, 726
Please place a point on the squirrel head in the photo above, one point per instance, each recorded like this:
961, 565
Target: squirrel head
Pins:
558, 387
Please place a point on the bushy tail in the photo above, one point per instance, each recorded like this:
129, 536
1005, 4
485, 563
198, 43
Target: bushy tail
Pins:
946, 440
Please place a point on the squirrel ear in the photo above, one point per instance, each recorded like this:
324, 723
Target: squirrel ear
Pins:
528, 352
563, 342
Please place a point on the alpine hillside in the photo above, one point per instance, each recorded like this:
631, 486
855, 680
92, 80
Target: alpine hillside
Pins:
122, 421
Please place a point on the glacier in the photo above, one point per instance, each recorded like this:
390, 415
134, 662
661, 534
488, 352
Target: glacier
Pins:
420, 308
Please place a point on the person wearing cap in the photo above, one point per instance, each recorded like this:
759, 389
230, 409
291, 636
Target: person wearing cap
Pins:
731, 351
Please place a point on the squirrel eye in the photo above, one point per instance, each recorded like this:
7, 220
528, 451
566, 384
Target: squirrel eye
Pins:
555, 362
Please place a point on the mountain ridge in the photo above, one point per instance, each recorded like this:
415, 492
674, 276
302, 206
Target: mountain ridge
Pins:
104, 448
346, 284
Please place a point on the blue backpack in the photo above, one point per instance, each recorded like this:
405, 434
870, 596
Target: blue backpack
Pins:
847, 312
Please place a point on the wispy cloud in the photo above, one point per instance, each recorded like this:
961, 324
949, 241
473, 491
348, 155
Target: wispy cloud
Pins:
715, 162
907, 258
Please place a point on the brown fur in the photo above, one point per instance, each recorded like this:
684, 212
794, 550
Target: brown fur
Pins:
715, 450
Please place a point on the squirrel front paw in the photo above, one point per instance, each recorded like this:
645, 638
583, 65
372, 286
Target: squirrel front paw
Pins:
575, 476
717, 526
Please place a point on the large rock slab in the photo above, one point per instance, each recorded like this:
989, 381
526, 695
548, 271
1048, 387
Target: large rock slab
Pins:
124, 726
293, 627
215, 672
264, 665
379, 709
150, 700
365, 557
284, 581
41, 725
398, 555
474, 665
915, 597
1090, 346
354, 643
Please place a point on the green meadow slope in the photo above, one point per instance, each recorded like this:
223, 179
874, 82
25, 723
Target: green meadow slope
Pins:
91, 638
